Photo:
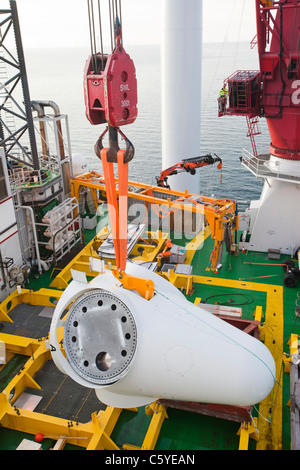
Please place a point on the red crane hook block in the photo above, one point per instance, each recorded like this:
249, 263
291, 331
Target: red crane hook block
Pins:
110, 91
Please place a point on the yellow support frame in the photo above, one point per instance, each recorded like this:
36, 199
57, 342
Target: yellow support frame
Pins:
93, 435
159, 414
217, 211
267, 434
46, 297
81, 262
247, 431
294, 350
270, 433
272, 330
100, 428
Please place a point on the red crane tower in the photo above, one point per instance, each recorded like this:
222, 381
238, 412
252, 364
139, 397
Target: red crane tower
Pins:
272, 92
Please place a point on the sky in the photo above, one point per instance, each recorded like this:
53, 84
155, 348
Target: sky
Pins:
64, 23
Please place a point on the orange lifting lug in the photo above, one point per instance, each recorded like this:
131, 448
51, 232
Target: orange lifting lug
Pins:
145, 287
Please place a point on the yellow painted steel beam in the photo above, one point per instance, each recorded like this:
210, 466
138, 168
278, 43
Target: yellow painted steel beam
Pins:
258, 314
39, 353
145, 194
159, 414
271, 407
294, 351
19, 344
8, 304
247, 431
4, 316
181, 281
81, 261
219, 207
294, 344
196, 244
150, 252
94, 435
103, 425
97, 431
46, 297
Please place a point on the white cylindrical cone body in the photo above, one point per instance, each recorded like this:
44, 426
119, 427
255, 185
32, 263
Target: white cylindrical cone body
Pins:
134, 351
181, 87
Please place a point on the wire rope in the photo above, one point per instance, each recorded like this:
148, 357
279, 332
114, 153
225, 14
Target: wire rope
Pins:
239, 34
219, 58
91, 34
110, 22
101, 39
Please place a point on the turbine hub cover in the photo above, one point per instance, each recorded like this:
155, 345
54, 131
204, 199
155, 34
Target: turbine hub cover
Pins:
100, 337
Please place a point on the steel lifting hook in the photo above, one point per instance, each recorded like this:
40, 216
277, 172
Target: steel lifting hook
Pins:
113, 148
118, 214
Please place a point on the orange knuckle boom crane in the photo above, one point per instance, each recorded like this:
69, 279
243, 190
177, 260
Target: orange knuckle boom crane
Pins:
189, 165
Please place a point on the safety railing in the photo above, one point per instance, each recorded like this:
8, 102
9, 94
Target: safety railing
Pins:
27, 178
261, 167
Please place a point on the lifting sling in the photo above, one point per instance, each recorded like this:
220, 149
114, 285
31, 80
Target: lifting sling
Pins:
110, 91
117, 213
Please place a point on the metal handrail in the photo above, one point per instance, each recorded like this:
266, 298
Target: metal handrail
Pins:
258, 166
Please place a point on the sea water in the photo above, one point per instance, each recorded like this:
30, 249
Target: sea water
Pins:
57, 75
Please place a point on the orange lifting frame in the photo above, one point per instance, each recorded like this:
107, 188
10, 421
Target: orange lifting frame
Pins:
218, 212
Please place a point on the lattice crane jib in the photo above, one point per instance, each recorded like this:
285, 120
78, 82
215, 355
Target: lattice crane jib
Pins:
16, 121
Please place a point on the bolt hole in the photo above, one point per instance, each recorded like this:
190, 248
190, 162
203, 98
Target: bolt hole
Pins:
125, 113
124, 76
123, 319
74, 339
114, 307
86, 363
124, 353
84, 309
103, 361
127, 336
100, 303
75, 323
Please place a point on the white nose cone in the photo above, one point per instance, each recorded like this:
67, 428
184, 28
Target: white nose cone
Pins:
133, 351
